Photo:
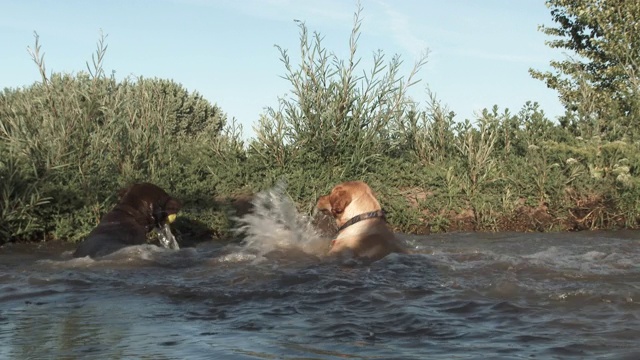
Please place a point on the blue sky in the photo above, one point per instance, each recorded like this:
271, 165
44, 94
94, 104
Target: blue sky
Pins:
479, 50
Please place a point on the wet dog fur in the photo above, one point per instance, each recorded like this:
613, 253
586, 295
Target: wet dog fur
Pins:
141, 207
368, 237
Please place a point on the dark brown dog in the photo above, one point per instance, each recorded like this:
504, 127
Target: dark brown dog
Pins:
141, 208
363, 230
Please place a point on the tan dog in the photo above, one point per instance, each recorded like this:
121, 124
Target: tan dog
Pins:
362, 227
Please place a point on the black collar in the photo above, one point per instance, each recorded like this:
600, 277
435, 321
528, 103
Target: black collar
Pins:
365, 216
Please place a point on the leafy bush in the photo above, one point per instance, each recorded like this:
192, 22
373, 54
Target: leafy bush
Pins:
336, 114
71, 141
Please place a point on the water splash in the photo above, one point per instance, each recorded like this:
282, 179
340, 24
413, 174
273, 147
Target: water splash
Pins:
167, 240
276, 224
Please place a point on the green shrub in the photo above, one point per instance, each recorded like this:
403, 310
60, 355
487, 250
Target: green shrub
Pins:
70, 141
336, 114
74, 140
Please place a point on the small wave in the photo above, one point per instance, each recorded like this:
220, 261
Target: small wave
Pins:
131, 256
589, 263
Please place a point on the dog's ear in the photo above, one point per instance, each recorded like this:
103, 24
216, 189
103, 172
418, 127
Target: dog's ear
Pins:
323, 203
339, 200
122, 192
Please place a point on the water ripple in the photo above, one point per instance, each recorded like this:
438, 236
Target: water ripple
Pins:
460, 295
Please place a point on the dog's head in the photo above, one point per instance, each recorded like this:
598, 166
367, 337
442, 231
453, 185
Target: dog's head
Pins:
347, 200
152, 205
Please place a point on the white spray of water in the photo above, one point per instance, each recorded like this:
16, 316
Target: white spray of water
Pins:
276, 224
166, 238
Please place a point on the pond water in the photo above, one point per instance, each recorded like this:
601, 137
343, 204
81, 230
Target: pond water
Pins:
458, 296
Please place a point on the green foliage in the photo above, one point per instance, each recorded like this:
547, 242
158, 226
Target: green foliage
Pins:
430, 134
71, 141
336, 115
599, 83
19, 197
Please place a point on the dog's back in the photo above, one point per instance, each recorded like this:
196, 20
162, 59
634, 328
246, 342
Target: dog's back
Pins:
111, 236
371, 239
363, 231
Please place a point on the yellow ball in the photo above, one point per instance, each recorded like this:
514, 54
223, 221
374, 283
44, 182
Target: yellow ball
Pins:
171, 218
